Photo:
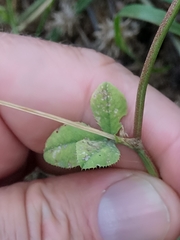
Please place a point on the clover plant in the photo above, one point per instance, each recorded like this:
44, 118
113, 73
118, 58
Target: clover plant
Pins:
77, 144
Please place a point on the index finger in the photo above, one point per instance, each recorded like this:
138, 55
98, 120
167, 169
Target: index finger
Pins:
60, 79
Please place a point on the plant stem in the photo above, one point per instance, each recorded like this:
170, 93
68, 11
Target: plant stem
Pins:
147, 162
138, 147
149, 63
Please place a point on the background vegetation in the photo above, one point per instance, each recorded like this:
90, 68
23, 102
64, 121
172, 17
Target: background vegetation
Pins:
122, 29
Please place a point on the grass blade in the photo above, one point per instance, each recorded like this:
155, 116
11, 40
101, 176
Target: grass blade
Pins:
148, 14
35, 14
119, 39
3, 15
11, 17
81, 5
168, 1
30, 10
43, 20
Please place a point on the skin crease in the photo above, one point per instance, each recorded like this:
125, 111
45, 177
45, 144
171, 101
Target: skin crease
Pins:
59, 80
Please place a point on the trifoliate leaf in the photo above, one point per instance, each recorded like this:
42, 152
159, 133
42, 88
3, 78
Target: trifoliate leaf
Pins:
91, 154
109, 106
60, 147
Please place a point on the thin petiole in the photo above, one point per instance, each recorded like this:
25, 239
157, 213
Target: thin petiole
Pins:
149, 63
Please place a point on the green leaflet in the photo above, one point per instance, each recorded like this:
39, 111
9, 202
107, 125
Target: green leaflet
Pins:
62, 156
60, 147
91, 154
109, 106
69, 147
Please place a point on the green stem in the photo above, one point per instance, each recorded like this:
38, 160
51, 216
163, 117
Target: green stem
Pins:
149, 63
147, 162
138, 147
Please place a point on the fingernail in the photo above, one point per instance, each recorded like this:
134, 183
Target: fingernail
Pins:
132, 209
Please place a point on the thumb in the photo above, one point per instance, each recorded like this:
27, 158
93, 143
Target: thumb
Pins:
108, 204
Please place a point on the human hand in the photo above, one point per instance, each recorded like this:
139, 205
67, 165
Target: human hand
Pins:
114, 203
